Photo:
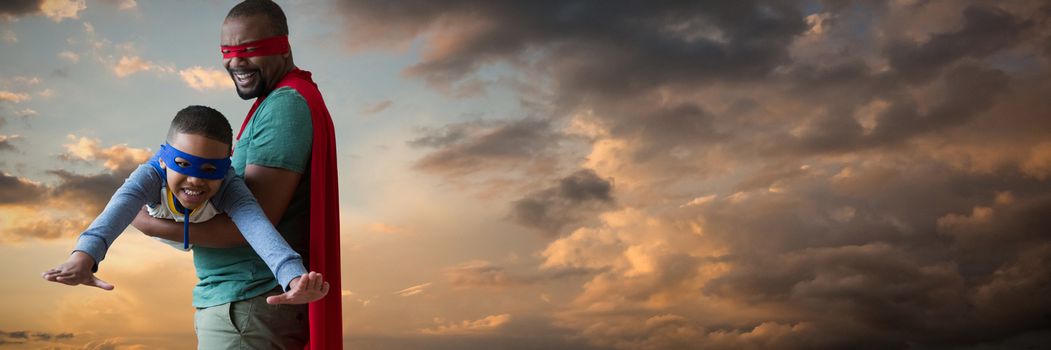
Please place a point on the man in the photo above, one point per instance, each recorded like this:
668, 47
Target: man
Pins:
286, 153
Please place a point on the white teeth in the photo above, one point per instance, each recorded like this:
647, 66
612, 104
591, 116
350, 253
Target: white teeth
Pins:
193, 193
243, 76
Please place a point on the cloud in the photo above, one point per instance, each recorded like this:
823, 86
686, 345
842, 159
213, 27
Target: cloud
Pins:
985, 31
847, 175
131, 65
30, 336
377, 107
18, 190
699, 201
59, 10
202, 79
69, 56
469, 147
572, 200
29, 81
38, 211
484, 325
480, 274
1038, 163
414, 290
24, 113
123, 4
5, 142
13, 97
17, 8
115, 158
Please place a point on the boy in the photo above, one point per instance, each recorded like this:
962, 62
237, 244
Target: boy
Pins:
190, 176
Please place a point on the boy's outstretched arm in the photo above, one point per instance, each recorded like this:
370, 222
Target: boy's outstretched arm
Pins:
76, 270
304, 289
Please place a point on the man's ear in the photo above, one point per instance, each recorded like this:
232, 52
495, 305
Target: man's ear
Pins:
162, 164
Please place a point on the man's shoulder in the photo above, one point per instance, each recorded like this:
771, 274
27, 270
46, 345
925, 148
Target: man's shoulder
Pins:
282, 96
281, 106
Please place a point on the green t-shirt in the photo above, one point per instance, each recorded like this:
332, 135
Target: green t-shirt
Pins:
279, 135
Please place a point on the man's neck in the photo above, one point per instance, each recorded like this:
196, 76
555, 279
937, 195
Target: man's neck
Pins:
290, 68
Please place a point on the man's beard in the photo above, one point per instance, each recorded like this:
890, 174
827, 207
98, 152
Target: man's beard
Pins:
258, 90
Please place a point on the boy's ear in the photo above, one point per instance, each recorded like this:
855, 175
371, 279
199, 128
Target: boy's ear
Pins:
162, 164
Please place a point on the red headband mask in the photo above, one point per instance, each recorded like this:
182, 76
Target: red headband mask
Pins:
270, 46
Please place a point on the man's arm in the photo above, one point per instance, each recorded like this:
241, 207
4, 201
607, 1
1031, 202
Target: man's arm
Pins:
273, 189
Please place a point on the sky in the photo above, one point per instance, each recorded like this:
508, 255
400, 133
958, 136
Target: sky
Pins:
574, 174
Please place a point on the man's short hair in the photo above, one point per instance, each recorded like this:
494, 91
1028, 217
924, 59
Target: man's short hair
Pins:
248, 8
204, 121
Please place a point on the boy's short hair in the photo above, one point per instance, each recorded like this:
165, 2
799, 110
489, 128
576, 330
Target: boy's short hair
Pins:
204, 121
247, 8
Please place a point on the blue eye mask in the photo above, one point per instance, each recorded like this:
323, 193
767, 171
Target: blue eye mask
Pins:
196, 167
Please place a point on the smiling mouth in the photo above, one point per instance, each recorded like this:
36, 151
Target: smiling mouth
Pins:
245, 78
191, 193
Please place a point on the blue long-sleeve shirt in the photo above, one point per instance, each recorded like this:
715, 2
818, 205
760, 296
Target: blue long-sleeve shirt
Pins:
233, 197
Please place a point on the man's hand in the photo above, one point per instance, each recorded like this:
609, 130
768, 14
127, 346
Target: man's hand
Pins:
306, 288
76, 270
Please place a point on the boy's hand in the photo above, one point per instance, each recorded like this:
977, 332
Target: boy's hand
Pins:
76, 270
306, 288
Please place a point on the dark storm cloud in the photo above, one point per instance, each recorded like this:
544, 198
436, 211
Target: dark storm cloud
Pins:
575, 199
82, 196
469, 147
985, 31
20, 7
482, 274
879, 266
15, 190
915, 222
967, 92
964, 93
24, 336
5, 144
665, 128
92, 191
641, 45
768, 176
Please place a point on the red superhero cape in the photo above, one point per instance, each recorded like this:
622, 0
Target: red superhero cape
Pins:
326, 323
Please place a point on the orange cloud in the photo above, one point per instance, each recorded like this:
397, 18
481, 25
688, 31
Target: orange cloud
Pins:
201, 79
414, 290
131, 65
13, 96
58, 10
39, 222
34, 210
1038, 164
114, 157
484, 325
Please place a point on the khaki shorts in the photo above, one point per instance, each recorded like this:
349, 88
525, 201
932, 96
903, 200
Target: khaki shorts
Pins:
252, 324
